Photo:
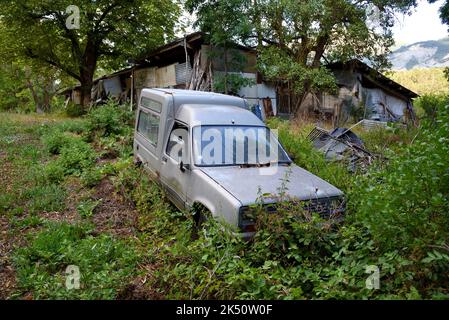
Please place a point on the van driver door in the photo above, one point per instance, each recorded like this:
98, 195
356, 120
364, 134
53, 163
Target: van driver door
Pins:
175, 168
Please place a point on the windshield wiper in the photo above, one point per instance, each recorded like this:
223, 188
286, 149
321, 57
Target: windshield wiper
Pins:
256, 165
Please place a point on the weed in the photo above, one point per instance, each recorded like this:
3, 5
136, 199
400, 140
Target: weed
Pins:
87, 207
47, 198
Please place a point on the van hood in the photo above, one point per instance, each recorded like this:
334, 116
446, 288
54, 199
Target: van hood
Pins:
247, 184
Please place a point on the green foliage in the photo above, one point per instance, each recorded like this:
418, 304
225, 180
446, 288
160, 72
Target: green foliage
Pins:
428, 81
293, 37
87, 207
274, 63
76, 157
430, 104
92, 177
45, 198
396, 202
109, 119
293, 255
234, 82
55, 140
37, 30
74, 110
104, 263
39, 152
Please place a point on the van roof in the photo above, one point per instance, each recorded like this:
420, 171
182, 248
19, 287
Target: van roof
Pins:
200, 114
181, 97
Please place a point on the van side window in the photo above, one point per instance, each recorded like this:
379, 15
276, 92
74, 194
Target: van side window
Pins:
177, 143
151, 104
148, 126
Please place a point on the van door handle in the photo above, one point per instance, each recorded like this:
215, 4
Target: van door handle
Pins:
164, 159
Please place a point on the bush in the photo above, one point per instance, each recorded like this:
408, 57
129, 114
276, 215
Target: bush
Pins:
75, 110
92, 177
109, 119
53, 172
396, 202
55, 140
430, 104
76, 157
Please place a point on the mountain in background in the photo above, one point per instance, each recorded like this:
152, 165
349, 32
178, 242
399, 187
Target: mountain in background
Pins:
425, 54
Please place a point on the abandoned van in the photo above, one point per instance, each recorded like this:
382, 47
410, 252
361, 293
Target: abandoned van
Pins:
209, 152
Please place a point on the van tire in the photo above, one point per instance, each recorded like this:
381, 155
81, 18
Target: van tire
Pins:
200, 215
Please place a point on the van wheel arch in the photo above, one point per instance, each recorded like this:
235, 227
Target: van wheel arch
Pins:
200, 213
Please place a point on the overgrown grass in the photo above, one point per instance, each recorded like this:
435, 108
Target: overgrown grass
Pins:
396, 220
40, 157
103, 263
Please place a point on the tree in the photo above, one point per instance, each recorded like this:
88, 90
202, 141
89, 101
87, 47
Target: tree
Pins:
444, 11
444, 15
294, 37
26, 84
109, 33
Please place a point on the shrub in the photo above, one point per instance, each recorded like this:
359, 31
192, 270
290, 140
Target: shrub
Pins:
109, 119
430, 104
53, 172
408, 200
55, 140
91, 177
75, 110
77, 157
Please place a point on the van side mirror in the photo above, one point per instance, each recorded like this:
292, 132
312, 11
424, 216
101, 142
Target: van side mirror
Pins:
184, 166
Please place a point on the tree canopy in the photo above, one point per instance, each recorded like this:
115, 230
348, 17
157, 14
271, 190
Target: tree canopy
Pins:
295, 37
109, 33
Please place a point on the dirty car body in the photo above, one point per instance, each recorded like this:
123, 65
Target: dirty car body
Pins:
208, 149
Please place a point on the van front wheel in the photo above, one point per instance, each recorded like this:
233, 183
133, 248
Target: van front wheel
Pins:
200, 215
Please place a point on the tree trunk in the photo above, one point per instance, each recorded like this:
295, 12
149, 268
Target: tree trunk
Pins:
35, 96
47, 95
301, 97
258, 24
86, 89
225, 69
87, 70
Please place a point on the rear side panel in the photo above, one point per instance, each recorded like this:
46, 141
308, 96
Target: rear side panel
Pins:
154, 114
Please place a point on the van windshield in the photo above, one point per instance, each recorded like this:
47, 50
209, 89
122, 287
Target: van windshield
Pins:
236, 145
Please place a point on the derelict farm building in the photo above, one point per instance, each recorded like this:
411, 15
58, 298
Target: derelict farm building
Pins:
192, 63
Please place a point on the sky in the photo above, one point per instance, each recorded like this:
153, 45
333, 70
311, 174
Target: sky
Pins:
424, 24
